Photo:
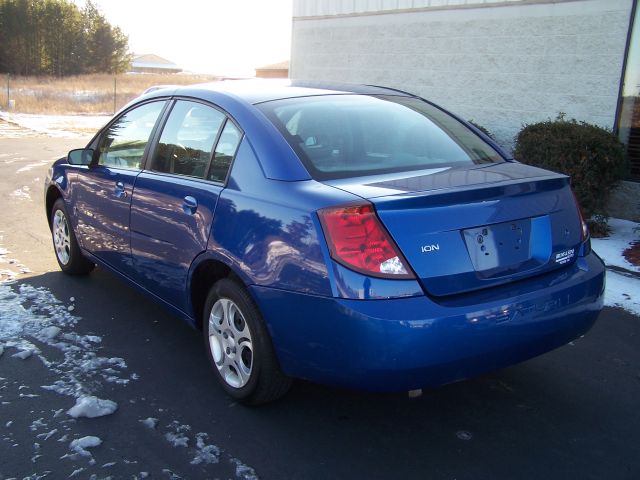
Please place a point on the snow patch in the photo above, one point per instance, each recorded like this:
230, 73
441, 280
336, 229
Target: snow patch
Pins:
171, 475
622, 291
206, 454
21, 193
91, 407
30, 312
243, 471
77, 471
66, 126
31, 166
177, 439
36, 424
149, 422
48, 435
610, 249
80, 445
49, 333
23, 354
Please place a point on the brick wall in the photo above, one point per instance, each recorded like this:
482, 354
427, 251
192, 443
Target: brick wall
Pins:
500, 65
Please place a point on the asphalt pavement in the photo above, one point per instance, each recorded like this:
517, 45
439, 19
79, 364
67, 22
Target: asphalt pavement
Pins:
572, 413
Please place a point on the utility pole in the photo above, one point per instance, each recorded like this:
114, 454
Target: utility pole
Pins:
8, 89
114, 93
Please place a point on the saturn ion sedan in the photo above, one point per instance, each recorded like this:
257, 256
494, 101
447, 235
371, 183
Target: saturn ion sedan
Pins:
349, 235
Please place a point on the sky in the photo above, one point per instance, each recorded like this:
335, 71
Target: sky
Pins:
226, 37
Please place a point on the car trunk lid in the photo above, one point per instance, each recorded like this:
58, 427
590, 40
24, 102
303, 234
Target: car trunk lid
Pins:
463, 229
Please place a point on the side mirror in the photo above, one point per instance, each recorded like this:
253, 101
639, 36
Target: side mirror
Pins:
80, 156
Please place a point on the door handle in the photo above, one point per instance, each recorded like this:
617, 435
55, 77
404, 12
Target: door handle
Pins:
119, 191
190, 205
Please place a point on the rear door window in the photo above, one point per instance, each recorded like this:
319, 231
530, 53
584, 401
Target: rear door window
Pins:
225, 151
124, 143
187, 140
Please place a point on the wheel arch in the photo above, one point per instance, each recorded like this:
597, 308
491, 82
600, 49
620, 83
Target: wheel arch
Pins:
53, 194
204, 274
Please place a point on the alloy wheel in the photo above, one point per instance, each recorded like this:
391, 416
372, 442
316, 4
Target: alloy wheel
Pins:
230, 343
61, 237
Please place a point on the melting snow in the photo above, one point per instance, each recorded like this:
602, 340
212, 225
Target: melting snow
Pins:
149, 422
35, 313
623, 233
91, 407
205, 453
57, 125
177, 439
30, 166
80, 445
48, 333
621, 290
47, 435
23, 354
243, 471
21, 193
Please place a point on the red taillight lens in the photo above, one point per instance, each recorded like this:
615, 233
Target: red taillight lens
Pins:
583, 224
357, 239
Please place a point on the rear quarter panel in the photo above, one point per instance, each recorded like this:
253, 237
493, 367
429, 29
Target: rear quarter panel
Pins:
268, 231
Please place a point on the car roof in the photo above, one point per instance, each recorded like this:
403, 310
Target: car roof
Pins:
256, 91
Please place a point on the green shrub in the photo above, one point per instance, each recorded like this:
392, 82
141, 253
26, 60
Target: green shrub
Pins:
482, 129
592, 156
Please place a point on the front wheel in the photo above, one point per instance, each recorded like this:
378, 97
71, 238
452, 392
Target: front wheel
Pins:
239, 347
68, 252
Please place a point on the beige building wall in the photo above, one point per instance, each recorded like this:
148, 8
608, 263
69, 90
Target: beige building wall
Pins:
501, 63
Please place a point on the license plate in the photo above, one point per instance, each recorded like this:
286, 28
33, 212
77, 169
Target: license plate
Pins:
499, 246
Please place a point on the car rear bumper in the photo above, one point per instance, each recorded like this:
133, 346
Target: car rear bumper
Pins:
409, 343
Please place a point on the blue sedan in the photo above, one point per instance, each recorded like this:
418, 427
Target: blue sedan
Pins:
349, 235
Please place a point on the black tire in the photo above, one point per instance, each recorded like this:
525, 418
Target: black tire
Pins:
266, 381
76, 263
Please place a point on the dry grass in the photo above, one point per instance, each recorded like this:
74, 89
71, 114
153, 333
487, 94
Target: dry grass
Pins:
85, 94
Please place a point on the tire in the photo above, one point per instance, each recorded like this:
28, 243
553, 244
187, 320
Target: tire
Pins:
239, 346
65, 246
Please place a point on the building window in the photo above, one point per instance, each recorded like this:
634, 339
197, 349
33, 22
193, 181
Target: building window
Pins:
629, 119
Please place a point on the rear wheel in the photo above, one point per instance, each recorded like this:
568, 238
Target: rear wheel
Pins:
68, 252
239, 347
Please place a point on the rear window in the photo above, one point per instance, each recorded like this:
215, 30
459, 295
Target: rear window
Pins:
341, 136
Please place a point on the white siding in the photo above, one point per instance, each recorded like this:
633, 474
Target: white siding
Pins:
502, 66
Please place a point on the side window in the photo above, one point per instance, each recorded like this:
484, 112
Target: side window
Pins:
187, 139
225, 150
124, 142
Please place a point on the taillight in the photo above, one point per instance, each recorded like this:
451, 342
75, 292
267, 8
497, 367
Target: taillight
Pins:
358, 240
583, 224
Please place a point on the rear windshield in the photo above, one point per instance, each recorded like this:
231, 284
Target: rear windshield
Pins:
341, 136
